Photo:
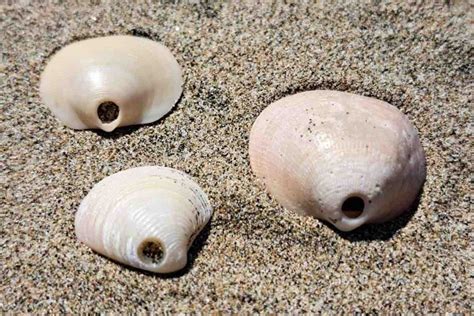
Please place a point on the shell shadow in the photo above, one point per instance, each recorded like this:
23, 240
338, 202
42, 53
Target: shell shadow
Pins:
382, 231
193, 252
143, 32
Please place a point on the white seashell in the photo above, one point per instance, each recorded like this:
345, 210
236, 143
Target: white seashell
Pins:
144, 217
111, 81
337, 156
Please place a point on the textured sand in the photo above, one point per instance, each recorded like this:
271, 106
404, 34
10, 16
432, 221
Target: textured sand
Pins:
255, 256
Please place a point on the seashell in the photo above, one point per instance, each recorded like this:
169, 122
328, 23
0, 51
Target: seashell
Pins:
145, 217
111, 81
340, 157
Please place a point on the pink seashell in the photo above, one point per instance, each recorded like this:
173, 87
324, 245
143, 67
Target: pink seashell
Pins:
340, 157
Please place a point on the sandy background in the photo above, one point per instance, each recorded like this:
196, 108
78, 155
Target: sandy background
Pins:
237, 58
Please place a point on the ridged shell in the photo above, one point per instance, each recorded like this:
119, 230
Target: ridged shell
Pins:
145, 217
337, 156
135, 79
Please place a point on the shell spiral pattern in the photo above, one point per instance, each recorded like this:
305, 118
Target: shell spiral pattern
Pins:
145, 217
340, 157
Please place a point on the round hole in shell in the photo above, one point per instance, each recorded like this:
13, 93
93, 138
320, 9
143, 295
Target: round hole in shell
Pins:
108, 112
353, 207
151, 251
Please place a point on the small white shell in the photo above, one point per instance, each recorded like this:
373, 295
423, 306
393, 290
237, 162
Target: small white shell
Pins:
145, 217
337, 156
137, 80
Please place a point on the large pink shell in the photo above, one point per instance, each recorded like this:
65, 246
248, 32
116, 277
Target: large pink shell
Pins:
337, 156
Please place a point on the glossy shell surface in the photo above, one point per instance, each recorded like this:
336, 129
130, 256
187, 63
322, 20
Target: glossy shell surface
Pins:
145, 217
112, 81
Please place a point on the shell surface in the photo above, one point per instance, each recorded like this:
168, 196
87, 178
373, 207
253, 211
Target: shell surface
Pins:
340, 157
145, 217
112, 81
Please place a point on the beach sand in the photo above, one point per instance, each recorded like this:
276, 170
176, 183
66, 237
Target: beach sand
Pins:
254, 256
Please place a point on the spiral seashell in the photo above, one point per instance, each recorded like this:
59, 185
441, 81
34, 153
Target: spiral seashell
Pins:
145, 217
340, 157
111, 81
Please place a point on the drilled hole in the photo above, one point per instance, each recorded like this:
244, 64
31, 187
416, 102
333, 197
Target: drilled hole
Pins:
108, 112
151, 251
353, 207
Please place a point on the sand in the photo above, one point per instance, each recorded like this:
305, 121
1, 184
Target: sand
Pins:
255, 256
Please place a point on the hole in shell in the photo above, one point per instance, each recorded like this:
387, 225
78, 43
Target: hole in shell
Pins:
108, 112
151, 251
353, 207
